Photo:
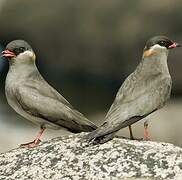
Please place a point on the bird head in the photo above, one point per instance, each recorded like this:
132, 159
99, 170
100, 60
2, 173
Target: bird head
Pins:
18, 50
158, 44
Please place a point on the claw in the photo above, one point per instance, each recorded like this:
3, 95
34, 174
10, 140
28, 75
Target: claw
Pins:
36, 141
31, 144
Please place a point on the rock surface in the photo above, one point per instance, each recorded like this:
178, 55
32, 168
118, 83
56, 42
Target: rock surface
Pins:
67, 158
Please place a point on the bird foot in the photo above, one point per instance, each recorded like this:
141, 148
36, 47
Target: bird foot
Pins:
147, 139
138, 139
131, 138
31, 144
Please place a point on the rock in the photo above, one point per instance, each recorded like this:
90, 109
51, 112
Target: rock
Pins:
69, 158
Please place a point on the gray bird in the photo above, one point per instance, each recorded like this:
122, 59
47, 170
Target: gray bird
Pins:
143, 92
33, 98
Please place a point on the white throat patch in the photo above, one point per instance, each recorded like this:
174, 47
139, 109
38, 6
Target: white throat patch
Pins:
158, 48
26, 54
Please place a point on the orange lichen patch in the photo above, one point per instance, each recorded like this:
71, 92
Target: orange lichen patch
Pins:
148, 53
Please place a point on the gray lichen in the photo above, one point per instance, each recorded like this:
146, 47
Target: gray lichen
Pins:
68, 158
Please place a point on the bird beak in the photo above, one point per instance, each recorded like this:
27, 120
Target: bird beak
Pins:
8, 54
174, 45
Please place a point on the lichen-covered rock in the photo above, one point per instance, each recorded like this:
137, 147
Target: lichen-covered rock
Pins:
67, 158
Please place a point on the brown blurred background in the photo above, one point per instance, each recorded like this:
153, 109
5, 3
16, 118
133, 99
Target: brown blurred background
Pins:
85, 49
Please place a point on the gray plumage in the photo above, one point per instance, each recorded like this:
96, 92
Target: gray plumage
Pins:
33, 98
144, 91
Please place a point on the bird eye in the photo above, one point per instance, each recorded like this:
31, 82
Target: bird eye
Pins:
21, 49
18, 50
162, 42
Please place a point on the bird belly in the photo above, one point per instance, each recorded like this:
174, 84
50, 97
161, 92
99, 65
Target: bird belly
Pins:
36, 120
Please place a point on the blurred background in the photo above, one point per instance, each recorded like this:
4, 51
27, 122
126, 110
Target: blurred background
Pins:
85, 49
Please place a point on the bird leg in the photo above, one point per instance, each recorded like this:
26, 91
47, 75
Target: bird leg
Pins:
36, 141
131, 133
146, 133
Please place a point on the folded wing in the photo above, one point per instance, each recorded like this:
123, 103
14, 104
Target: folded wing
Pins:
48, 104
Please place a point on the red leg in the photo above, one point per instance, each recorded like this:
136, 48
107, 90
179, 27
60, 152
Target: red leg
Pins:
146, 133
36, 141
